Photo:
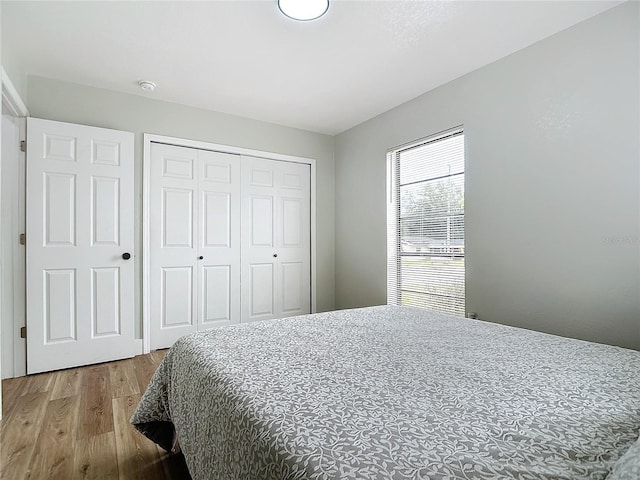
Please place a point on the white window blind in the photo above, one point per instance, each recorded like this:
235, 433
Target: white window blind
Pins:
425, 218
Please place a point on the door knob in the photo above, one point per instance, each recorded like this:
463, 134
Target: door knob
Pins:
275, 255
200, 257
126, 256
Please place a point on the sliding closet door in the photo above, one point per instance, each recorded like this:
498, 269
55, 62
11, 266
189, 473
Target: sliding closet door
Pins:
194, 237
276, 239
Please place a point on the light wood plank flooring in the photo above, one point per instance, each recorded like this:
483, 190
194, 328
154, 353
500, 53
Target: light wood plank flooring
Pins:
74, 424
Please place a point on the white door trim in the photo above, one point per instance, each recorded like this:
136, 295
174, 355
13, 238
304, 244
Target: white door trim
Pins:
11, 99
14, 289
15, 107
149, 138
19, 264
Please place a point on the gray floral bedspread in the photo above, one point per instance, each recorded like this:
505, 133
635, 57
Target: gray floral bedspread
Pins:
393, 393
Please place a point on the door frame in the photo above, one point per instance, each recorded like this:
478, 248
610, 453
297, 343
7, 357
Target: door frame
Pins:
10, 327
148, 139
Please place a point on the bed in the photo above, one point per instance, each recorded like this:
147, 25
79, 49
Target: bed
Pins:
395, 393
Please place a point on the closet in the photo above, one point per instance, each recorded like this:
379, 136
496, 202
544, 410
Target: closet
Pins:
229, 240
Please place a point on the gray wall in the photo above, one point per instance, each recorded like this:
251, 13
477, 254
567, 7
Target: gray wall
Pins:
552, 184
67, 102
16, 74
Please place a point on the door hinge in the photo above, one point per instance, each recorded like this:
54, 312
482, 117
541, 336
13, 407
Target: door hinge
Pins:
23, 332
23, 146
23, 239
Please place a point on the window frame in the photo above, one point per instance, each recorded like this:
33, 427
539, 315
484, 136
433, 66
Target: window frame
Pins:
394, 253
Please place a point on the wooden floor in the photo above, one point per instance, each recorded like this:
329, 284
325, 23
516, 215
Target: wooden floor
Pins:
74, 424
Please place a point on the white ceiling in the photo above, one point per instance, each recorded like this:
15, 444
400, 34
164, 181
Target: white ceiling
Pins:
245, 58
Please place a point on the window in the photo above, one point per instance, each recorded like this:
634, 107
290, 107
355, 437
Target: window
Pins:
425, 224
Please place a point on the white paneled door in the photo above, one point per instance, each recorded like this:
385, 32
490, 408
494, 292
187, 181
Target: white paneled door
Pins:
80, 271
194, 241
276, 239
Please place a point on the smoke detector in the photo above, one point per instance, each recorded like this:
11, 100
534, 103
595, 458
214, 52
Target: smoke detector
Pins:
147, 86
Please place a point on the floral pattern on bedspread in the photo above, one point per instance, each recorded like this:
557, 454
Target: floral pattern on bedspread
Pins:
392, 393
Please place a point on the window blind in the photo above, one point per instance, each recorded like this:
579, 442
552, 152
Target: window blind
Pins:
425, 219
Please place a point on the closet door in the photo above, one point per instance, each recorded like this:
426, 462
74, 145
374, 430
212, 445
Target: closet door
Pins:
219, 239
276, 239
195, 241
173, 232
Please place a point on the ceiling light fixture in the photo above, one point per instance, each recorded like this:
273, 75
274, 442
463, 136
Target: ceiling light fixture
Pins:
147, 86
303, 9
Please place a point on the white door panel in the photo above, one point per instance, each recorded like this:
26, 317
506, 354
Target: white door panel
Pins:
105, 298
177, 297
261, 301
195, 251
60, 306
217, 294
173, 252
105, 211
219, 239
292, 222
60, 209
177, 217
80, 306
261, 221
216, 219
276, 239
293, 287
